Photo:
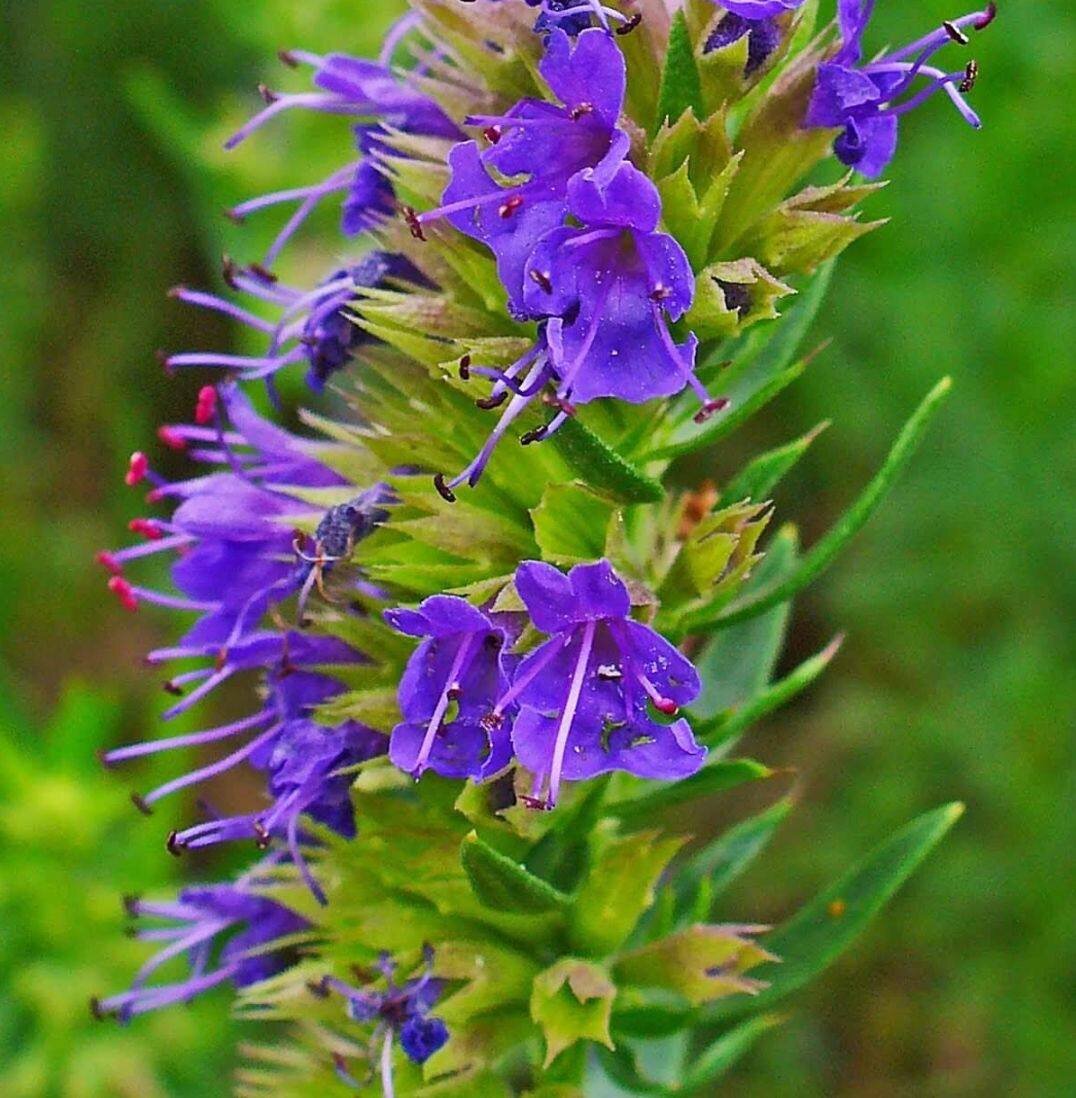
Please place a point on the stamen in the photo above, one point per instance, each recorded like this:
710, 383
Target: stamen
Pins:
465, 368
487, 404
571, 704
630, 25
509, 206
710, 408
206, 407
109, 562
542, 279
141, 804
137, 468
971, 74
492, 134
414, 225
988, 17
443, 489
661, 703
171, 438
450, 692
124, 592
955, 33
580, 110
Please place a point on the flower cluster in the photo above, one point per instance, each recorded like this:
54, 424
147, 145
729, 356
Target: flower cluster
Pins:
519, 205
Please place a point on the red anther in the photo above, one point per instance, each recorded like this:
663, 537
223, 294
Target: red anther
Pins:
124, 592
233, 217
147, 528
492, 134
465, 367
580, 110
288, 58
414, 226
137, 468
989, 15
710, 407
267, 93
666, 706
154, 495
171, 438
509, 206
220, 659
108, 561
206, 407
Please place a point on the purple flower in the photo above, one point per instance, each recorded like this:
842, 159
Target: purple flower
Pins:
866, 101
203, 917
547, 142
575, 16
349, 86
449, 688
758, 20
399, 1011
313, 325
586, 694
607, 289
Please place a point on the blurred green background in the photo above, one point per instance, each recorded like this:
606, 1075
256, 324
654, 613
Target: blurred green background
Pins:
957, 678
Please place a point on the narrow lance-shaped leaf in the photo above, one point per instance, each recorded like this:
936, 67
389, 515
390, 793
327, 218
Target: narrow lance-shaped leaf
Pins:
825, 550
602, 467
758, 478
725, 1051
680, 88
711, 779
821, 931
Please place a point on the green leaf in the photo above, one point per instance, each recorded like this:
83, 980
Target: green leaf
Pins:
572, 1001
822, 930
737, 662
570, 523
618, 888
826, 549
602, 467
502, 884
701, 963
711, 779
724, 728
680, 88
724, 858
760, 476
726, 1050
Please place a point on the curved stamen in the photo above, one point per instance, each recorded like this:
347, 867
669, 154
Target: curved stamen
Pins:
328, 103
450, 691
195, 739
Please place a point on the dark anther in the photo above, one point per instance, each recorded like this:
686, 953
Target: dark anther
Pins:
989, 15
631, 24
465, 368
542, 279
319, 988
173, 845
170, 687
971, 74
233, 217
487, 404
609, 672
261, 272
102, 758
533, 436
492, 134
139, 802
267, 94
509, 206
579, 110
413, 224
659, 292
95, 1009
710, 407
443, 489
228, 271
955, 33
130, 904
261, 835
454, 693
288, 58
539, 804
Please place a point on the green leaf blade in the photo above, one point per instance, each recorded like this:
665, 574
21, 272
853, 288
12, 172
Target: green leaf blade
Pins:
681, 87
502, 884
